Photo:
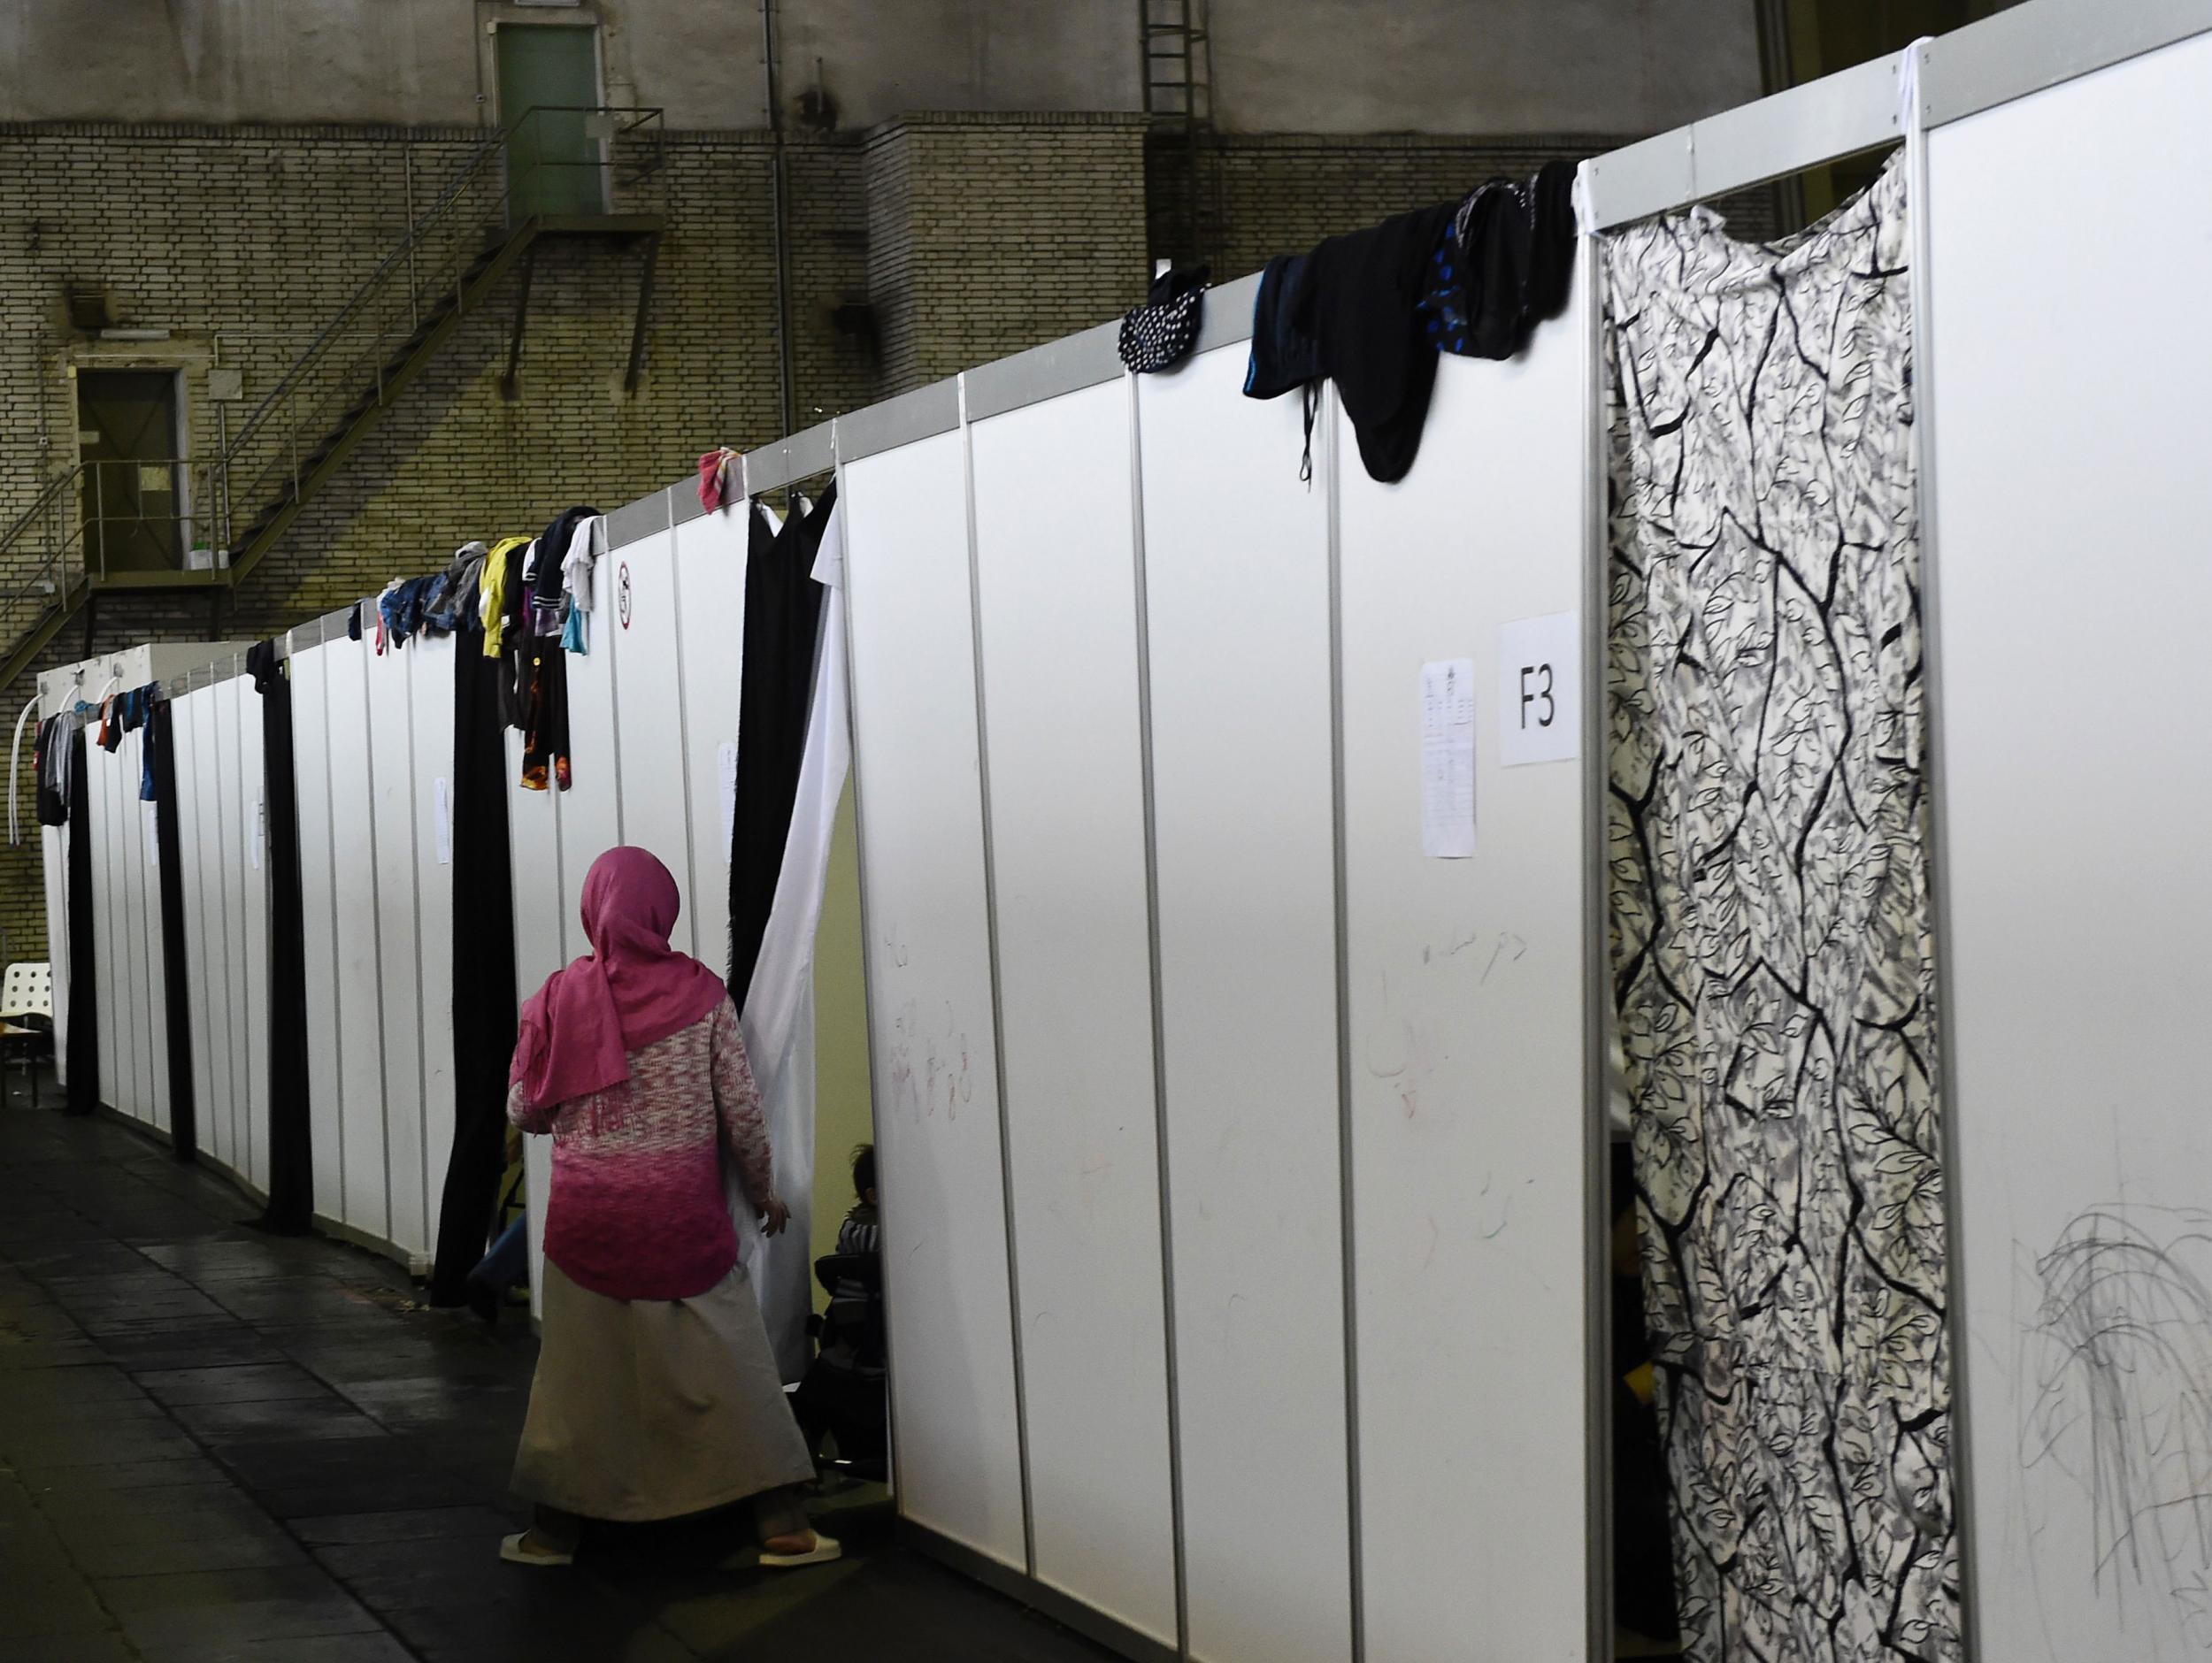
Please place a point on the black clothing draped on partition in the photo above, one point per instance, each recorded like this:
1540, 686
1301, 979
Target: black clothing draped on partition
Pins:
84, 1000
783, 613
176, 993
483, 973
291, 1208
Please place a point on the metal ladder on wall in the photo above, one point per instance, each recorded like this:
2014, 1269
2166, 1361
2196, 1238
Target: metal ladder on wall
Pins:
1178, 103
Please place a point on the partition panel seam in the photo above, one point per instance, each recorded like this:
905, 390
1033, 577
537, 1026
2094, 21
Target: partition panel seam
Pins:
1340, 879
337, 973
1142, 600
149, 925
240, 1109
683, 730
1920, 285
376, 935
244, 1065
998, 1013
199, 866
1599, 1369
867, 978
614, 722
222, 878
422, 1014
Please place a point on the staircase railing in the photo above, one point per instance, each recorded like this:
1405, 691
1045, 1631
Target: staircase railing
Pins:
54, 550
44, 569
424, 274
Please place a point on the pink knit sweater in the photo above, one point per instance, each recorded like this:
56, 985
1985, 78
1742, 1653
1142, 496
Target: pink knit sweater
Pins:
637, 1210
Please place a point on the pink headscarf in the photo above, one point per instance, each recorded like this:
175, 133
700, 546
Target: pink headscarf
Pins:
629, 991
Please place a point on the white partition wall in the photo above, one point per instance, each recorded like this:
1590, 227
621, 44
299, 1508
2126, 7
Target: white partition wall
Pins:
708, 576
247, 831
54, 847
350, 761
1237, 585
430, 668
1296, 1152
372, 737
218, 787
2070, 572
127, 903
205, 873
99, 798
933, 1037
533, 848
319, 931
637, 600
1471, 1154
398, 1006
1057, 586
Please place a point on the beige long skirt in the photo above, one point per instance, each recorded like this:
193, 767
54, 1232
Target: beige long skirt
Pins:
653, 1408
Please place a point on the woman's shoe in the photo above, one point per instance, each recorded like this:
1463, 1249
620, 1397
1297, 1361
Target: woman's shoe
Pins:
826, 1549
522, 1549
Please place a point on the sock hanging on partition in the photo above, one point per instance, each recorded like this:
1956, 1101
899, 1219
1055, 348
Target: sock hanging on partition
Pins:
291, 1208
783, 610
175, 972
84, 1001
483, 975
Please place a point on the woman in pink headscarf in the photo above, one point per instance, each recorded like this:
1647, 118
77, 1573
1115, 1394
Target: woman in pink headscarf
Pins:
656, 1394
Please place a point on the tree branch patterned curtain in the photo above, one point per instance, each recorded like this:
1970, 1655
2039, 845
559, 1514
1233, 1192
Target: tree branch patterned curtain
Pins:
1771, 936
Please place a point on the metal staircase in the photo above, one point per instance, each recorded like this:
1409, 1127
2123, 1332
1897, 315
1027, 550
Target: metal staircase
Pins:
487, 221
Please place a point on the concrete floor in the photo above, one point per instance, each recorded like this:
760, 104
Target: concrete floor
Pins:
217, 1445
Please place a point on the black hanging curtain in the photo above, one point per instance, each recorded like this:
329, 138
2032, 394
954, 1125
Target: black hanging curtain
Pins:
483, 972
783, 612
84, 1002
177, 998
291, 1208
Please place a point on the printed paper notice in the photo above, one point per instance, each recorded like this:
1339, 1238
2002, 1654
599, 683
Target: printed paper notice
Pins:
257, 830
1448, 759
441, 820
153, 834
725, 763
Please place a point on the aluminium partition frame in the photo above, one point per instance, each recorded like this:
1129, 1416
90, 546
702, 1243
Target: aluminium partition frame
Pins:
2017, 53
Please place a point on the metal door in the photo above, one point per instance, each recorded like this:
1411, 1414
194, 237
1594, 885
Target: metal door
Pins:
549, 88
126, 438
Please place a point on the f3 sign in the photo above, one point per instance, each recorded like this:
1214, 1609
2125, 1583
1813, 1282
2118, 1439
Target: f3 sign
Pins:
1539, 689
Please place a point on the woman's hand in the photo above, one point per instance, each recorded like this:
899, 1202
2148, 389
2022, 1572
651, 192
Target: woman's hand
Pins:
774, 1217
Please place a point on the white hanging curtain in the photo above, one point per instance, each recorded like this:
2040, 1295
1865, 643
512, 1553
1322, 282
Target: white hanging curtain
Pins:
778, 1012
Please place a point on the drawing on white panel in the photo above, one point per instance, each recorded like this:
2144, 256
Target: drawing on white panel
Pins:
932, 1066
2117, 1415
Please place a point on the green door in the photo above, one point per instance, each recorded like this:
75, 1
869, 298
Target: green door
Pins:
548, 84
126, 438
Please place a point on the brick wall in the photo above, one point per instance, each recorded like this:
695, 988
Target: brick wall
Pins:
988, 234
243, 243
918, 249
1262, 195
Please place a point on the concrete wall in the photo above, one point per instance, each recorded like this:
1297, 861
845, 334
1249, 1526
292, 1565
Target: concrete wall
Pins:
1495, 67
1438, 67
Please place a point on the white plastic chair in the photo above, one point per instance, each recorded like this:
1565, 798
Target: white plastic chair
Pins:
27, 990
